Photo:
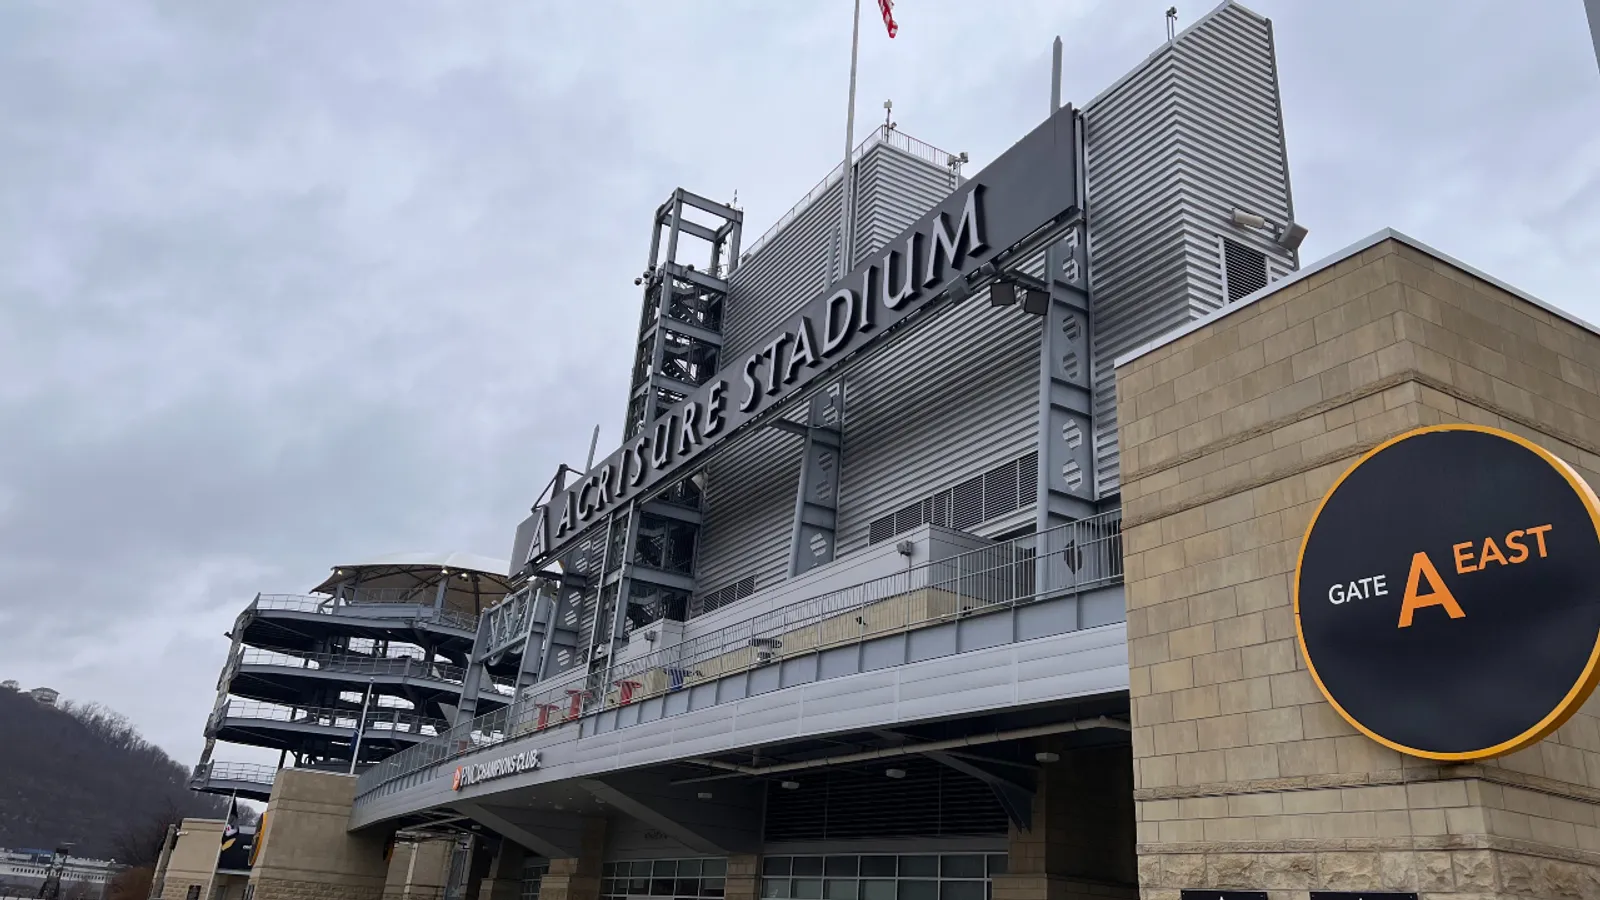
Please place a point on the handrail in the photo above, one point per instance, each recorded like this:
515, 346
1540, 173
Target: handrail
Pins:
379, 718
251, 773
355, 664
880, 135
1071, 558
324, 605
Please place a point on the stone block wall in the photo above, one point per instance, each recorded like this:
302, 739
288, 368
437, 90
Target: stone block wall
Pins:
1244, 775
306, 850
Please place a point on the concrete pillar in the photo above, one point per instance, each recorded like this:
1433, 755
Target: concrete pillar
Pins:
1081, 844
578, 877
193, 860
418, 870
1247, 777
305, 849
743, 881
504, 878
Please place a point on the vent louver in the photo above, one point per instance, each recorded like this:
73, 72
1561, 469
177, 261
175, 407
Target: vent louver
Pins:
930, 801
1000, 491
1244, 270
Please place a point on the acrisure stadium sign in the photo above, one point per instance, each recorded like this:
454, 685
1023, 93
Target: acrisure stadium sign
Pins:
1447, 597
1025, 195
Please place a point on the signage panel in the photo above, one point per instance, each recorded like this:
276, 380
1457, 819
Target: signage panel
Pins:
476, 773
1213, 894
1447, 596
1028, 187
1363, 895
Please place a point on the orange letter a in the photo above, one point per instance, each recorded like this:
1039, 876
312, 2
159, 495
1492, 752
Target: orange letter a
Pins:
1422, 566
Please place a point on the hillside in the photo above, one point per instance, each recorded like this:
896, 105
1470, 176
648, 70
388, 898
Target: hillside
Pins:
83, 774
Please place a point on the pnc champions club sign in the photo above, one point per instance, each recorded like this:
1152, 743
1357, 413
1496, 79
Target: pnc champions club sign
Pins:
1447, 597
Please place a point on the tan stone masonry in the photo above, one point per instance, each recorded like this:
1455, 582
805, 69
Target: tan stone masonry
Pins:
1244, 775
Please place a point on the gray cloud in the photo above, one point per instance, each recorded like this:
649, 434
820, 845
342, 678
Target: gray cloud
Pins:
287, 285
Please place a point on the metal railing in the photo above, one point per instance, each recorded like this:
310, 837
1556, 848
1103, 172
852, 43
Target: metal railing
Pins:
379, 718
250, 773
404, 666
323, 605
1068, 559
880, 135
411, 666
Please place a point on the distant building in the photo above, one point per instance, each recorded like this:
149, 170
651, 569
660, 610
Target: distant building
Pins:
47, 696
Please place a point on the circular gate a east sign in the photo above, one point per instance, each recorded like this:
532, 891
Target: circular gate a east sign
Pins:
1447, 597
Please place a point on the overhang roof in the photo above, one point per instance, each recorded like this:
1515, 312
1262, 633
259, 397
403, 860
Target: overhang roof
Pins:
417, 569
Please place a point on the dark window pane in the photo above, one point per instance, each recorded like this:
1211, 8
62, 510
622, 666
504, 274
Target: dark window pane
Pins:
688, 887
664, 867
961, 866
714, 867
997, 864
877, 866
638, 885
961, 890
918, 890
919, 867
608, 870
776, 865
877, 890
808, 865
711, 887
641, 867
808, 889
842, 866
688, 867
661, 887
840, 889
775, 887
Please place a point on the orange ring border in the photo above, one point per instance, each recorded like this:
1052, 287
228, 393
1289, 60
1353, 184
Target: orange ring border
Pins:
1575, 697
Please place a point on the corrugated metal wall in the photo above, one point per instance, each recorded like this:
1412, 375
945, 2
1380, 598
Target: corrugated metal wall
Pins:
750, 490
947, 402
1172, 148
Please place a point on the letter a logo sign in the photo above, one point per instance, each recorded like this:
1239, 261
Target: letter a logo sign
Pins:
1438, 595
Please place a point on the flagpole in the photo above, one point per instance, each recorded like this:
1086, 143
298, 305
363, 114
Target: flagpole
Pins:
847, 200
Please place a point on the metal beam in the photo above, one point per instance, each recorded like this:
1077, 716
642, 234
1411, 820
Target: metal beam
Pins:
973, 740
812, 539
1016, 799
564, 846
720, 826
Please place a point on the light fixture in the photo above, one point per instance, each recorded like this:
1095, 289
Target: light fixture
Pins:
1035, 303
790, 785
1047, 757
1247, 220
1003, 293
895, 773
444, 571
704, 795
1291, 236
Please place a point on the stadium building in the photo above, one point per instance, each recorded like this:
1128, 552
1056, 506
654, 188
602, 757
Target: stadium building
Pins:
953, 551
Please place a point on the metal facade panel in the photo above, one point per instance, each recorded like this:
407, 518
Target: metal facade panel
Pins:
750, 492
947, 403
749, 511
1172, 148
801, 260
1079, 664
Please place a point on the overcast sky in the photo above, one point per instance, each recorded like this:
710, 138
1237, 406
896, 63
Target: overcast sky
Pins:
286, 285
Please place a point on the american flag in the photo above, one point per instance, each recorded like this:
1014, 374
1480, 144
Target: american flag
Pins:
887, 8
